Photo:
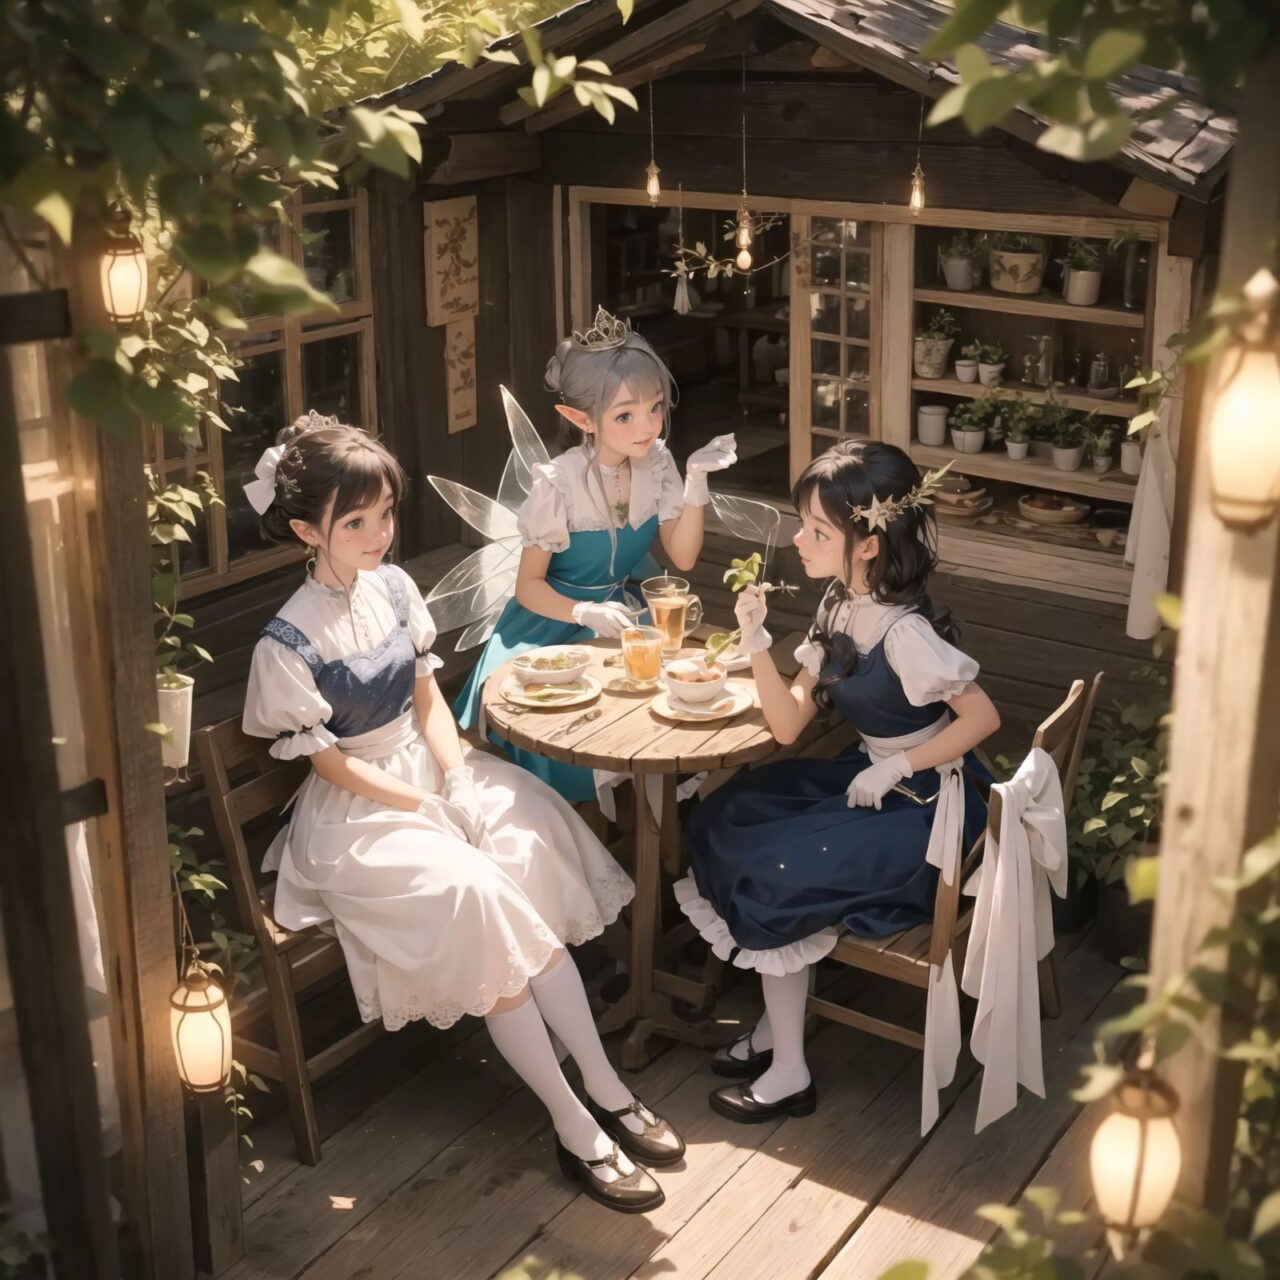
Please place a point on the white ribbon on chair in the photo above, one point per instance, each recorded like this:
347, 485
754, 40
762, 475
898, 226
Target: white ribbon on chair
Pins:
1012, 931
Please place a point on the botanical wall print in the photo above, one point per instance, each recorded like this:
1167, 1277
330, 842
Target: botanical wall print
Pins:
453, 273
460, 370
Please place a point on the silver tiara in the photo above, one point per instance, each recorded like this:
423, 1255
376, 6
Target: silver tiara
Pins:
606, 333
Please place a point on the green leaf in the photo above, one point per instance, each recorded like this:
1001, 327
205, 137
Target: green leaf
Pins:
1113, 52
970, 19
1046, 1199
1170, 1038
410, 17
1099, 139
209, 253
277, 280
50, 190
901, 1270
625, 8
98, 393
1267, 1219
1004, 1216
1141, 877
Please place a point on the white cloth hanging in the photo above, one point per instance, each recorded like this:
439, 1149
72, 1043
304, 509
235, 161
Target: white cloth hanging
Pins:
607, 780
1012, 931
1150, 531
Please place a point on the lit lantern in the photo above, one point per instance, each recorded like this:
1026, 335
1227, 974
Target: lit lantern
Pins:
1244, 436
200, 1026
123, 271
651, 187
1135, 1159
917, 191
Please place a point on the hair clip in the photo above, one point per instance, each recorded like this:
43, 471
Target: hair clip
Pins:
879, 512
606, 333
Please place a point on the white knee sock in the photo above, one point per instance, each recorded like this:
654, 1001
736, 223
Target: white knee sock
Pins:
784, 1002
562, 1001
761, 1039
521, 1037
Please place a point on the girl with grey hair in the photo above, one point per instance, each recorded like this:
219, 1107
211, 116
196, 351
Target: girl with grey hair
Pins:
594, 512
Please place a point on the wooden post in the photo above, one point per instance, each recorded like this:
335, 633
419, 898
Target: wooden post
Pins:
217, 1222
39, 914
134, 876
1225, 752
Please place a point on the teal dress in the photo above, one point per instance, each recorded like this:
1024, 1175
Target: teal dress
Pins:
581, 572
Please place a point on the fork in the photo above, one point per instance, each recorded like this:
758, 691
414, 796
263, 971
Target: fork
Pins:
576, 723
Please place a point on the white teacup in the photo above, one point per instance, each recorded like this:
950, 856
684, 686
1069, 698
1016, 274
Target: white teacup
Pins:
708, 687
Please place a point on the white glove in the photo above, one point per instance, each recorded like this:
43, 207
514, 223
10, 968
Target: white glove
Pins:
751, 609
720, 453
460, 792
868, 787
609, 619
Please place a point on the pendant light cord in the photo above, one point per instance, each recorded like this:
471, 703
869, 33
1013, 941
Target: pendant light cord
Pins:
744, 128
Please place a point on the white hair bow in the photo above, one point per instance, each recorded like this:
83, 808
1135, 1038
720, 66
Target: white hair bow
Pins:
261, 491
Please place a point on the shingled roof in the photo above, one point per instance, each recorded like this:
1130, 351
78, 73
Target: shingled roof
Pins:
1187, 149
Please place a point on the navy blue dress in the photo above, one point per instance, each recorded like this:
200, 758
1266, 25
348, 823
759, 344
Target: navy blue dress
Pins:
779, 855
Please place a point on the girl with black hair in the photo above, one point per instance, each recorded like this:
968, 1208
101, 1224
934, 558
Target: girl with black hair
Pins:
785, 856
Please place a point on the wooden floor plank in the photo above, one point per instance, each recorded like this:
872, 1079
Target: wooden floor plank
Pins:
929, 1211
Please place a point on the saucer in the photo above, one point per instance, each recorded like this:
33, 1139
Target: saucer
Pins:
736, 697
572, 694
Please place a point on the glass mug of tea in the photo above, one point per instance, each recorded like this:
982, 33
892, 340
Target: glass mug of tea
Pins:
674, 610
642, 656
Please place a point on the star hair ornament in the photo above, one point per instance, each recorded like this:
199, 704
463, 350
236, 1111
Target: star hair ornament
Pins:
879, 513
606, 333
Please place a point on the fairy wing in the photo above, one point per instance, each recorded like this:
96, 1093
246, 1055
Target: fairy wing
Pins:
752, 521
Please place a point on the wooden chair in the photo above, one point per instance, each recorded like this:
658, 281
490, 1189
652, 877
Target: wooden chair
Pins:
291, 962
907, 956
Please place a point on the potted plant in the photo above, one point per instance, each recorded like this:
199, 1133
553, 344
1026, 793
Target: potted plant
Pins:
1082, 272
961, 258
967, 369
1102, 447
1131, 454
1019, 415
991, 358
970, 421
931, 424
1017, 262
933, 343
1069, 436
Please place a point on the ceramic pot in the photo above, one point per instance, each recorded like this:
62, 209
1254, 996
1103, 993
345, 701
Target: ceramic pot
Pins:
958, 273
967, 441
1103, 462
1081, 288
1131, 457
931, 424
967, 370
174, 699
989, 374
1016, 272
931, 356
1068, 459
1017, 449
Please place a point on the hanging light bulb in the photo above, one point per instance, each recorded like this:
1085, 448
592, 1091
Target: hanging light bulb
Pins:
743, 260
200, 1027
651, 187
1135, 1158
917, 191
123, 271
742, 236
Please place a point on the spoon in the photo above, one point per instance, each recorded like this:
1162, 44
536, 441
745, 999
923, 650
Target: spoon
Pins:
586, 718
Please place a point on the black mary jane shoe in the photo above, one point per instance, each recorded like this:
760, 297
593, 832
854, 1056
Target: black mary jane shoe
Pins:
725, 1063
736, 1102
648, 1146
634, 1192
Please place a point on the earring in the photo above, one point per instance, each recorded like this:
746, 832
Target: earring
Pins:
313, 553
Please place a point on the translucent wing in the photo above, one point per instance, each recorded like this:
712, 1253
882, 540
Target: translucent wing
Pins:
753, 521
525, 439
476, 589
513, 488
476, 633
484, 515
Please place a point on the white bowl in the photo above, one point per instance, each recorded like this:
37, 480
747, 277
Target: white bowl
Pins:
694, 691
527, 672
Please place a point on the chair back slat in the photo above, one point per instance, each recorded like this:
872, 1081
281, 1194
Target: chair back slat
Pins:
267, 792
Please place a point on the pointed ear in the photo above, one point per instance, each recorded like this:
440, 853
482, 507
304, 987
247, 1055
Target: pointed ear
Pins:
869, 547
576, 418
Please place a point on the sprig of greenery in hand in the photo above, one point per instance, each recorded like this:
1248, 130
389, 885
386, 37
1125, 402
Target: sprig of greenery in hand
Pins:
740, 574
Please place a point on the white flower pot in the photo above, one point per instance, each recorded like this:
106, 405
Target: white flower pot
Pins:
1102, 462
1016, 272
931, 356
958, 273
989, 374
175, 712
931, 424
1131, 457
967, 370
967, 441
1017, 449
1068, 459
1081, 288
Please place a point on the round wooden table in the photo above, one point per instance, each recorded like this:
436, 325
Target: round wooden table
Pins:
629, 736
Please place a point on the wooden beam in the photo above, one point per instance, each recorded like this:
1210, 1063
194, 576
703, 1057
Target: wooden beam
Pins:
475, 157
1145, 198
1224, 763
39, 914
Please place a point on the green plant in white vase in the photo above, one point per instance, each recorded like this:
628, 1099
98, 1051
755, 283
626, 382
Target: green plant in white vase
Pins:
1017, 262
933, 343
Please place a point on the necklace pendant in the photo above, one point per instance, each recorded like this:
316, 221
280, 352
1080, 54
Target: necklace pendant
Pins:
622, 509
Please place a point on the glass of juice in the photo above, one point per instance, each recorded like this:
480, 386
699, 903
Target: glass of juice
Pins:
674, 610
642, 656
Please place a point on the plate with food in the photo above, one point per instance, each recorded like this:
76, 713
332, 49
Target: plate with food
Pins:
556, 664
1052, 508
571, 693
733, 697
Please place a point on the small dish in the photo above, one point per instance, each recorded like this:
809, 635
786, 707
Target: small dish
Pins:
704, 685
556, 664
551, 697
736, 698
964, 514
1051, 508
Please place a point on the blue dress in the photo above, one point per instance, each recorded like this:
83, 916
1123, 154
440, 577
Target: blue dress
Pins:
777, 856
559, 500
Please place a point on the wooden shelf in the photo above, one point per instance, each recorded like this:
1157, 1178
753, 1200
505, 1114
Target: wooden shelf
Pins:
1121, 407
1025, 304
1034, 473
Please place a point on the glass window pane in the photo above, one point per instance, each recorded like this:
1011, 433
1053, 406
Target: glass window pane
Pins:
857, 234
824, 312
825, 251
328, 253
857, 411
194, 556
857, 270
331, 378
260, 394
857, 363
826, 402
826, 356
821, 441
176, 447
320, 194
857, 316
